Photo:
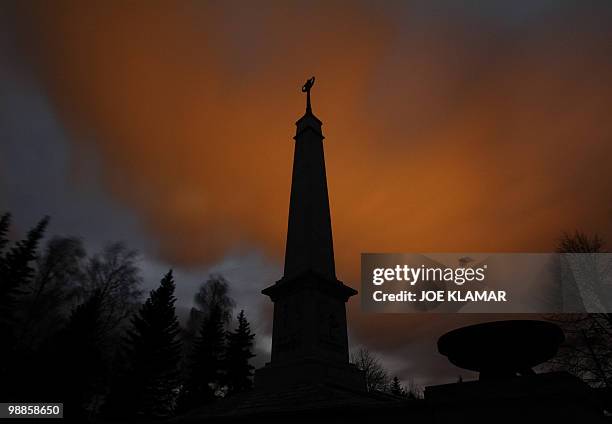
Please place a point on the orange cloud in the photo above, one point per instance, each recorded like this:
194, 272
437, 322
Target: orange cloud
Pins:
439, 136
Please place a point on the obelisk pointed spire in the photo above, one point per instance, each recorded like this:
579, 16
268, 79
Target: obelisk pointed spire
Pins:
309, 236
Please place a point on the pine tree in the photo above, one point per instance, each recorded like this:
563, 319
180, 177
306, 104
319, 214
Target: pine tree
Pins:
17, 262
396, 387
16, 270
239, 351
206, 362
152, 349
6, 295
213, 293
5, 222
74, 358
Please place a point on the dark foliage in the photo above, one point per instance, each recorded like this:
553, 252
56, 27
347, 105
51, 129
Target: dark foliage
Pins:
376, 376
149, 384
579, 243
212, 294
114, 273
587, 350
205, 375
5, 222
396, 387
239, 371
55, 286
75, 363
16, 272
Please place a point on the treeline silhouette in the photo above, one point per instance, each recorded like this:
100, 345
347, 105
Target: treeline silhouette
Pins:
73, 329
587, 351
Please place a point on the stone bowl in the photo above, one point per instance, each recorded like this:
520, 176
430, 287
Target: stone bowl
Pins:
502, 349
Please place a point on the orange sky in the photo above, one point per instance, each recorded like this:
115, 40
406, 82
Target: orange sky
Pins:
440, 137
445, 130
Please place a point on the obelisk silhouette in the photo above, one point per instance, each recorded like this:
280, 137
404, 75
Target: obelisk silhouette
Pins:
309, 339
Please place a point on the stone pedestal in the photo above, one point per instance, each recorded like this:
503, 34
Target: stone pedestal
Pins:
309, 337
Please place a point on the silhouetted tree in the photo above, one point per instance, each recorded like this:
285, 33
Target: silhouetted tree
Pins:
59, 317
579, 243
413, 390
410, 391
376, 377
212, 294
396, 387
58, 273
5, 223
16, 272
6, 291
115, 274
587, 351
76, 361
239, 371
150, 383
203, 381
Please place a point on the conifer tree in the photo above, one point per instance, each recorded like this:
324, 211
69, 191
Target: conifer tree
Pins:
16, 270
239, 351
5, 290
396, 387
5, 222
74, 358
206, 361
149, 385
213, 293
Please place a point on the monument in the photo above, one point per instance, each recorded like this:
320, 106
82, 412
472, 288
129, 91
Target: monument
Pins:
309, 338
309, 377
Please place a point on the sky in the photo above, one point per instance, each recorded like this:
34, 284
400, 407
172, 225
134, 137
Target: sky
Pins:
450, 126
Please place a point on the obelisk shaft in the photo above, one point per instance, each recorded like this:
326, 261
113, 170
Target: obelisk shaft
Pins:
309, 236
